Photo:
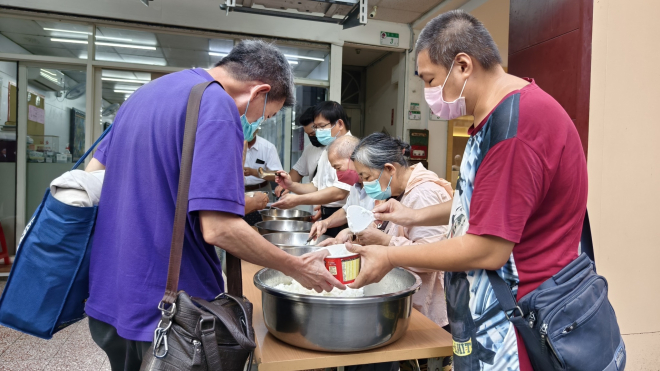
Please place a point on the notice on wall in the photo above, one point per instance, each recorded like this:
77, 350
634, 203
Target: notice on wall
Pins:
414, 115
414, 107
389, 38
36, 114
434, 117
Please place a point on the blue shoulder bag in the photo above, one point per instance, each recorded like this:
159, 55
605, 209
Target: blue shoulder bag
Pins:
49, 280
567, 323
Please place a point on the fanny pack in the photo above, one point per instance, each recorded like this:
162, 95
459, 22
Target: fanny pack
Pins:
567, 323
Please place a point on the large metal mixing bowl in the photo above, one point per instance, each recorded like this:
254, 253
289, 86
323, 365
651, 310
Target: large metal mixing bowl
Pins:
294, 243
277, 226
339, 324
291, 214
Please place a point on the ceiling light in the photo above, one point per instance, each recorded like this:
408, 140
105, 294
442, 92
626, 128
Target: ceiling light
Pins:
51, 78
125, 91
48, 72
113, 38
74, 41
69, 41
125, 80
293, 62
302, 57
59, 30
126, 45
216, 54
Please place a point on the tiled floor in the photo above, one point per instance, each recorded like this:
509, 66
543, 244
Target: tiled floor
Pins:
70, 349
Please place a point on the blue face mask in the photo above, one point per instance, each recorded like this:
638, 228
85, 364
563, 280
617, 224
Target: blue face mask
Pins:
250, 128
325, 135
373, 189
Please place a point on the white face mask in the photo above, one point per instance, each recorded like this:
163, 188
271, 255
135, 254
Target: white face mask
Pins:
445, 110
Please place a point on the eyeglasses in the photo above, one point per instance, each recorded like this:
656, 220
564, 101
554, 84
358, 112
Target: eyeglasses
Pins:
317, 127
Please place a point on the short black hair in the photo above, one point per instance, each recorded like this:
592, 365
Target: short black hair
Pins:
333, 112
456, 32
256, 60
307, 117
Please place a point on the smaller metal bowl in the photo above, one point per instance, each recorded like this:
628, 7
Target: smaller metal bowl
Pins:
277, 226
294, 243
290, 214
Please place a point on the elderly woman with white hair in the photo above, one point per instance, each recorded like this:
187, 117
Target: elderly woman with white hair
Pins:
382, 166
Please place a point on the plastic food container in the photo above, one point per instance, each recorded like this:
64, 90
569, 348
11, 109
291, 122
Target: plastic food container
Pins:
342, 264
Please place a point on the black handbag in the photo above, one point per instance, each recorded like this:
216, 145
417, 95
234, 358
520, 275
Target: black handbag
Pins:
194, 334
567, 323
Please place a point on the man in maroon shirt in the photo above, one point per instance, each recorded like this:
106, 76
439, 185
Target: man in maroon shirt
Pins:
520, 200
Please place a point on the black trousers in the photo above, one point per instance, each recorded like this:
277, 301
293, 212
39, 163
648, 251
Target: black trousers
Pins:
123, 354
325, 214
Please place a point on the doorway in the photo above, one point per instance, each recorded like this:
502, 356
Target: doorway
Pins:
371, 93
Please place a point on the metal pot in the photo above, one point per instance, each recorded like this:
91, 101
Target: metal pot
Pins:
291, 214
339, 324
294, 243
277, 226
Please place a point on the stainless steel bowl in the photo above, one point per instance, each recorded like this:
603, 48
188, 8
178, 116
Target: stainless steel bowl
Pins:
294, 243
339, 324
291, 214
277, 226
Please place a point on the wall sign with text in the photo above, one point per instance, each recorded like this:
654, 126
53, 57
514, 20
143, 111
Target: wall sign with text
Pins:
389, 38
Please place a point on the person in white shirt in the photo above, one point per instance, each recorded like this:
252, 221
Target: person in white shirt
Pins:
308, 161
330, 122
260, 154
339, 155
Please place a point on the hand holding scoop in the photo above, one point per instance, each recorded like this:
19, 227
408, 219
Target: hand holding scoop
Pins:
359, 218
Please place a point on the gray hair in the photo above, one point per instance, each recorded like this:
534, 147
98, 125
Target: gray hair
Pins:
456, 32
256, 60
344, 146
379, 149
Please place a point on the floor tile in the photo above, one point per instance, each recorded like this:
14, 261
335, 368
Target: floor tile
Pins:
28, 365
7, 338
106, 366
77, 363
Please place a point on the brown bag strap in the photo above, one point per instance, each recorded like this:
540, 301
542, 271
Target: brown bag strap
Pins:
181, 213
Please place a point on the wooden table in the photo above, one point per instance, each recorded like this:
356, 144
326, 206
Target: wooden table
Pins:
424, 339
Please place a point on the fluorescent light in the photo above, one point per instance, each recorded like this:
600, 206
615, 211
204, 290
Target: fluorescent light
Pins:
59, 30
125, 91
48, 72
301, 57
293, 62
215, 54
125, 80
126, 45
113, 38
51, 78
73, 41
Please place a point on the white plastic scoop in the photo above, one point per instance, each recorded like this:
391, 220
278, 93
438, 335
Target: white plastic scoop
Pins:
359, 218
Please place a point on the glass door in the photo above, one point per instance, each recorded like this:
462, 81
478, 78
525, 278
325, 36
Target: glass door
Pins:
54, 123
8, 152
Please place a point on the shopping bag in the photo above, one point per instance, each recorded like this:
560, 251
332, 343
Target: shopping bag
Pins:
49, 280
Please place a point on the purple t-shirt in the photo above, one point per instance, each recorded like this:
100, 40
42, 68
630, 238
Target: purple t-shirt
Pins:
142, 155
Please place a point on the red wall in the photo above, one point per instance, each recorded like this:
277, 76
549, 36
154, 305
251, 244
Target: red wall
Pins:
550, 41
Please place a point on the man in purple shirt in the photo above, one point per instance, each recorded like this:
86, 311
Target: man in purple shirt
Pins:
142, 155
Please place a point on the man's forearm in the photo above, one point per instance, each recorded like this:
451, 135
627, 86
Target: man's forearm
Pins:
232, 234
301, 189
338, 218
433, 215
463, 253
322, 197
295, 175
